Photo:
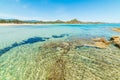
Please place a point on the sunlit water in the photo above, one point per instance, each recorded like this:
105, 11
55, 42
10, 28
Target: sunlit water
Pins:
22, 42
12, 34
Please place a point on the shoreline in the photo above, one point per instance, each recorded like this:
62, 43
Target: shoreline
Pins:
27, 24
13, 24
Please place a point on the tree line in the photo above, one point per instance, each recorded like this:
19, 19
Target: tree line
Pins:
73, 21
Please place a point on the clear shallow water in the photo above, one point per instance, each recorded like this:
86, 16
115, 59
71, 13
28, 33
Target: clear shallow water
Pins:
19, 45
12, 34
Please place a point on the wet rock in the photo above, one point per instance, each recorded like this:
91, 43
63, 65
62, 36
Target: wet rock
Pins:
103, 40
101, 43
116, 41
116, 29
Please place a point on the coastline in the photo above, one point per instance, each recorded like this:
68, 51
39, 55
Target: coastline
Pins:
29, 24
13, 24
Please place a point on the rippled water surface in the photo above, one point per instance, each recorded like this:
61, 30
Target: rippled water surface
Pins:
11, 34
23, 57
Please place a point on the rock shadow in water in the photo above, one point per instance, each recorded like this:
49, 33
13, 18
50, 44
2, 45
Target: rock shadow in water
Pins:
28, 41
60, 36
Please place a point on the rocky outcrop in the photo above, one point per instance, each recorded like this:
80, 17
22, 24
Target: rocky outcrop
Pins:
116, 41
101, 43
116, 29
103, 40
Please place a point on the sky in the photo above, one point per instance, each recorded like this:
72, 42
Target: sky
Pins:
83, 10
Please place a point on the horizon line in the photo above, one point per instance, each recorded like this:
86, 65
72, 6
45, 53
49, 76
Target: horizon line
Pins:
56, 20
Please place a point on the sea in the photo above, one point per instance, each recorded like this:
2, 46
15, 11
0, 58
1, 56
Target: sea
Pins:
20, 47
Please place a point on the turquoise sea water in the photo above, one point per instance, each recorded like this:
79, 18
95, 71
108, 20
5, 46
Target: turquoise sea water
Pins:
24, 41
12, 34
15, 36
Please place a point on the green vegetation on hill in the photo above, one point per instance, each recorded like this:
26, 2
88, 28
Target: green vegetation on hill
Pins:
11, 21
73, 21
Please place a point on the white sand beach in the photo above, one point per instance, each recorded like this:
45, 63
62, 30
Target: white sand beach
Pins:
13, 24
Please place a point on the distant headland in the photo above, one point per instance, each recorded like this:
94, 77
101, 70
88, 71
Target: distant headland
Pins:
17, 21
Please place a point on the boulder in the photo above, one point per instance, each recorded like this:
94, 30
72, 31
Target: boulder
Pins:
116, 41
101, 43
103, 40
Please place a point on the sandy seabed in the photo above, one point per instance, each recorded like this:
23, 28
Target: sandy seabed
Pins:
59, 61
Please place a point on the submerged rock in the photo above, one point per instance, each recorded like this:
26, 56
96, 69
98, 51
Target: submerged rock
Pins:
101, 40
102, 43
116, 29
99, 43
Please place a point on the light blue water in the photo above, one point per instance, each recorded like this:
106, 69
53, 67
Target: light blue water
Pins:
14, 36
